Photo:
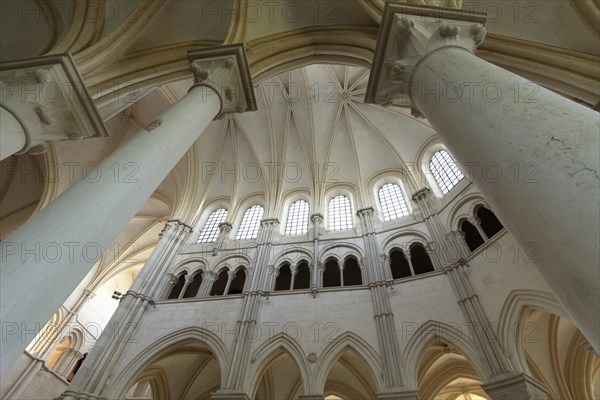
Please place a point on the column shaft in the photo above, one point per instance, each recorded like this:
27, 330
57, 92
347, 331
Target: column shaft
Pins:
535, 157
47, 257
12, 134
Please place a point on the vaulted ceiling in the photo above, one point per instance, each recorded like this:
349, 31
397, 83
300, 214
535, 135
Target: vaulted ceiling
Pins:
309, 62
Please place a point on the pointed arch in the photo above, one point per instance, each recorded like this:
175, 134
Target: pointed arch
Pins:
434, 330
513, 315
335, 349
158, 382
128, 375
270, 350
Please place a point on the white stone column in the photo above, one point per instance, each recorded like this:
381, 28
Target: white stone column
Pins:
532, 153
188, 279
12, 134
48, 256
87, 217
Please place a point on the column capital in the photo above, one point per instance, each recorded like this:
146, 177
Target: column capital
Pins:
225, 70
316, 218
365, 212
407, 34
173, 225
50, 100
269, 222
421, 194
517, 387
209, 276
172, 279
225, 227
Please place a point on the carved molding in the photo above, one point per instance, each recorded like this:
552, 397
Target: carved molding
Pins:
225, 70
49, 98
407, 34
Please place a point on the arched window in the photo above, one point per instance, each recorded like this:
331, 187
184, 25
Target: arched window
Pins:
445, 171
399, 264
302, 278
194, 285
420, 259
178, 287
489, 222
211, 228
331, 275
472, 236
352, 275
250, 223
238, 281
392, 202
340, 213
218, 288
297, 219
284, 278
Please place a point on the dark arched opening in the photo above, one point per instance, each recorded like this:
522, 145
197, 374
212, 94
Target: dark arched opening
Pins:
284, 278
238, 282
302, 279
489, 222
218, 288
194, 286
331, 275
178, 287
420, 259
352, 272
472, 236
399, 264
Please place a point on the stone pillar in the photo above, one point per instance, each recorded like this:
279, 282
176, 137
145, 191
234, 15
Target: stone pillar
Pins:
87, 217
171, 282
385, 261
519, 387
224, 229
188, 279
258, 284
294, 271
98, 367
382, 309
476, 222
484, 334
445, 253
457, 242
230, 276
543, 146
12, 134
208, 278
221, 68
316, 268
311, 397
43, 100
65, 364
